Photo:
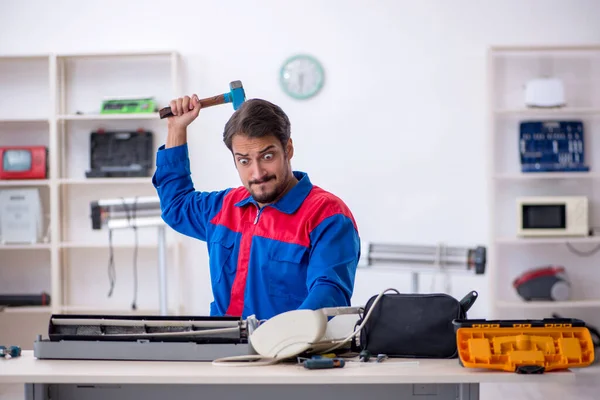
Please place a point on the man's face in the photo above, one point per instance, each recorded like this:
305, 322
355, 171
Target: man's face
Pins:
263, 166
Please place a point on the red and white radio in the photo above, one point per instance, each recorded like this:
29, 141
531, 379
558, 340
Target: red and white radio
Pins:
23, 162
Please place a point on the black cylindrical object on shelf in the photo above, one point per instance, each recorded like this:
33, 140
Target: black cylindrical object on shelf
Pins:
19, 300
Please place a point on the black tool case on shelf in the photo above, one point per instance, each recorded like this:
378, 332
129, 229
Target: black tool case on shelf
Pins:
120, 154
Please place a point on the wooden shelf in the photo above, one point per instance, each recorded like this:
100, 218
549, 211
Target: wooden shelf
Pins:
543, 50
105, 181
23, 119
549, 111
36, 246
548, 240
132, 54
75, 245
518, 176
20, 57
25, 182
549, 304
27, 309
510, 68
105, 117
68, 83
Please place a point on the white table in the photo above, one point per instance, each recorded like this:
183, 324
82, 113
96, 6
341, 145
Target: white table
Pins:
149, 380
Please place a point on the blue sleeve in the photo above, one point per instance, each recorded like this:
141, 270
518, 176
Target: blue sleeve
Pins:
183, 208
334, 256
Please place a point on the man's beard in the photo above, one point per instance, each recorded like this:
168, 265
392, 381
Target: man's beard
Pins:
269, 197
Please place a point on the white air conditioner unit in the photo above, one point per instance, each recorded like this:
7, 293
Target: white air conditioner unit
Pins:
21, 217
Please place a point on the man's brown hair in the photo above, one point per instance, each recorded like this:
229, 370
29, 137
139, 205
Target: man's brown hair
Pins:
258, 118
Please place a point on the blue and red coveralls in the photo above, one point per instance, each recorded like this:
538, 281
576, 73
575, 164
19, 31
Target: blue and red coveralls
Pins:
300, 252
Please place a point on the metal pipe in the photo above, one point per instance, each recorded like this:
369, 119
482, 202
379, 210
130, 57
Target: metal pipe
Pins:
415, 282
420, 258
440, 256
406, 260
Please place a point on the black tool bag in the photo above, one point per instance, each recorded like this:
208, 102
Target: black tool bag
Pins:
413, 325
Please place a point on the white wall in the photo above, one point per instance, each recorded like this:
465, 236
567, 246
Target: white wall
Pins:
399, 131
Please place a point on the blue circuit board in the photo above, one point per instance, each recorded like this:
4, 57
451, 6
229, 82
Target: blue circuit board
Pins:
552, 146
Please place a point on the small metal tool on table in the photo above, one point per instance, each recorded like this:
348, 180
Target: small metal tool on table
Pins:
324, 362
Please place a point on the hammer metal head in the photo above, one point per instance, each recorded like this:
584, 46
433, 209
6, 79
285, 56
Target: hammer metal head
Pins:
238, 96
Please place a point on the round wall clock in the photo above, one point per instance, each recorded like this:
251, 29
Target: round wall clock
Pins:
301, 76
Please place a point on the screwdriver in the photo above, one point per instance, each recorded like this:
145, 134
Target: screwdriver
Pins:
13, 351
324, 363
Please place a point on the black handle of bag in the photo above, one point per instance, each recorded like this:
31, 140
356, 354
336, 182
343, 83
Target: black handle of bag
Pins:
468, 301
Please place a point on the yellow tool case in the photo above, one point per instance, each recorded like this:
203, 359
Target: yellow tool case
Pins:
524, 346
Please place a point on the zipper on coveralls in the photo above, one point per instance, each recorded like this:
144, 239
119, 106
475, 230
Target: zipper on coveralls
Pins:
259, 210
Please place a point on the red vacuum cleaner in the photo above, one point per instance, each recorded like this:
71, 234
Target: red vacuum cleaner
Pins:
548, 283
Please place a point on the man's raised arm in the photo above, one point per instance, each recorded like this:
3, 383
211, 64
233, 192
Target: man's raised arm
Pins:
183, 208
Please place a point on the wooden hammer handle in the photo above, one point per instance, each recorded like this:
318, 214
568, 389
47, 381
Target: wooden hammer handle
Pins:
208, 102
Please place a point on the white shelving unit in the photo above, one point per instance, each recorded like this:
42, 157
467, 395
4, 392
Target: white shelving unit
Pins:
54, 100
510, 68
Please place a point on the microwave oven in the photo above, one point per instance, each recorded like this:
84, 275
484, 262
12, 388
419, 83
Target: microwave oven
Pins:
552, 216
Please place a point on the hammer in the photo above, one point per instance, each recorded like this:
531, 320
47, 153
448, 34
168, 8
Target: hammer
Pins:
236, 96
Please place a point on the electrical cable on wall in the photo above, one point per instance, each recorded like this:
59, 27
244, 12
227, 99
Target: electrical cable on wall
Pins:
135, 255
583, 253
131, 215
112, 274
589, 253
